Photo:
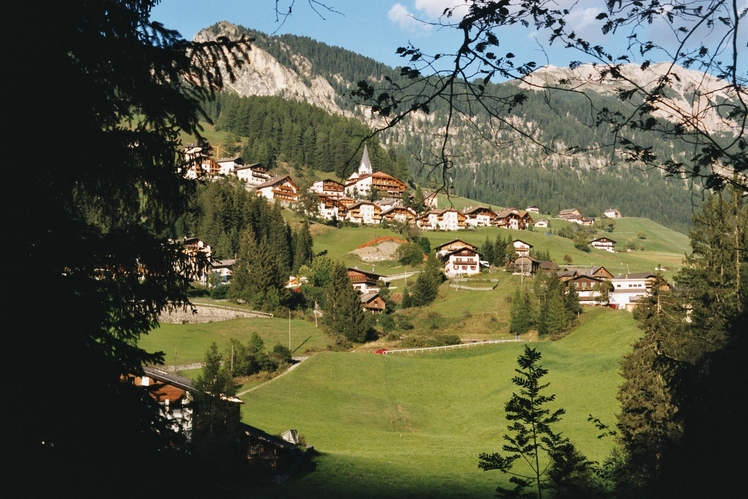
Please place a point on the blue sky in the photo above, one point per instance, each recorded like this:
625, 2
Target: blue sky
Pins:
376, 28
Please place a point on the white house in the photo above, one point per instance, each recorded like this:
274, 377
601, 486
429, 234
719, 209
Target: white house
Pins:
252, 175
612, 213
447, 219
227, 166
629, 288
604, 243
521, 248
533, 209
328, 187
364, 212
479, 216
541, 224
463, 261
282, 188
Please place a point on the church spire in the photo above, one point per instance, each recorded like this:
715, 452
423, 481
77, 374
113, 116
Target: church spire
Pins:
365, 167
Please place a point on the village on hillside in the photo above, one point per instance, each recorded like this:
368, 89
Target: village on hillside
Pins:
370, 197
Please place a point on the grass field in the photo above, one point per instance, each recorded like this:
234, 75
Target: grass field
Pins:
193, 340
413, 426
661, 247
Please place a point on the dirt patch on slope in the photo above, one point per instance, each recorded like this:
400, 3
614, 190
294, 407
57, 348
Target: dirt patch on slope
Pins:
379, 249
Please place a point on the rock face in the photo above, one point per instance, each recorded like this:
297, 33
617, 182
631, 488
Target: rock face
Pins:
691, 93
265, 76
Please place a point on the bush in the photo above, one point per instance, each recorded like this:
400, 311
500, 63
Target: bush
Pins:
219, 292
438, 340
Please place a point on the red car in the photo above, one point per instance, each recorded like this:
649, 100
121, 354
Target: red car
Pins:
381, 351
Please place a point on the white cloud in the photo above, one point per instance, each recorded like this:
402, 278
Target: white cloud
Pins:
401, 16
435, 8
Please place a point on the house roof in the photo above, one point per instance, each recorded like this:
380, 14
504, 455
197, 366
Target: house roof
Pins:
603, 240
448, 243
275, 181
165, 377
366, 298
223, 264
261, 435
523, 242
446, 256
369, 275
480, 208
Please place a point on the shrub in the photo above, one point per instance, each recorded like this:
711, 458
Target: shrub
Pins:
219, 292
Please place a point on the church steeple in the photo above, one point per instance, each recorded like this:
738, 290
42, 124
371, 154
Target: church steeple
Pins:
365, 166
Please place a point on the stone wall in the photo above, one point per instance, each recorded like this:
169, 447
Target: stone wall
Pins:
207, 313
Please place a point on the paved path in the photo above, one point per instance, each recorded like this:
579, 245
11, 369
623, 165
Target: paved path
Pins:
298, 360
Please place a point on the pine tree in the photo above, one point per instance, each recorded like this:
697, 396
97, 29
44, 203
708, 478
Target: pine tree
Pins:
649, 424
343, 313
426, 288
553, 460
520, 313
215, 414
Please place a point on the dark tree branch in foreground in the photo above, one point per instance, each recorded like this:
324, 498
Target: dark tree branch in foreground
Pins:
701, 35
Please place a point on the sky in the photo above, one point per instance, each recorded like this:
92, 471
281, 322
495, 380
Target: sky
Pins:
376, 28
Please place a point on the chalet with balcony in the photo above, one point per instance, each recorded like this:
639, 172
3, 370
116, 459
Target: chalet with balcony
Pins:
253, 175
372, 302
364, 282
447, 219
521, 248
604, 243
331, 208
364, 212
569, 214
461, 262
479, 216
512, 218
533, 209
453, 245
282, 188
399, 214
329, 188
584, 285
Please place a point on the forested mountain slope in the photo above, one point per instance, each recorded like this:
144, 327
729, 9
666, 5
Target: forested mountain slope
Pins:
518, 173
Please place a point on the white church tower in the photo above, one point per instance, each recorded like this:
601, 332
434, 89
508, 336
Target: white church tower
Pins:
364, 168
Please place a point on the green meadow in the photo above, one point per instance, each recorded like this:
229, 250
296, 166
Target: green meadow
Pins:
662, 246
413, 426
191, 341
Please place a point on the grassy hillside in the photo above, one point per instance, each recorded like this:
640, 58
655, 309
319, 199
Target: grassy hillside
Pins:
662, 246
193, 340
413, 426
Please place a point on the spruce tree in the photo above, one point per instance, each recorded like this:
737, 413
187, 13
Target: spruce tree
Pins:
343, 313
553, 460
520, 313
426, 288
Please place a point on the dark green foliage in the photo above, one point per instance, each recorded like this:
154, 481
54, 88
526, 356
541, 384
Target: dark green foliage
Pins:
426, 288
521, 313
683, 401
581, 242
252, 358
219, 292
274, 129
343, 313
215, 415
606, 224
554, 462
436, 340
409, 254
87, 229
557, 311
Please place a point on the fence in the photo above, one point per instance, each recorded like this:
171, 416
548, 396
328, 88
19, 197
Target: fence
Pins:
452, 347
